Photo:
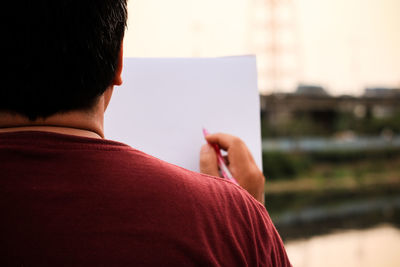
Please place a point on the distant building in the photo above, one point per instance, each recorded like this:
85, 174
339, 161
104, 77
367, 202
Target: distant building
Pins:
313, 102
311, 90
382, 92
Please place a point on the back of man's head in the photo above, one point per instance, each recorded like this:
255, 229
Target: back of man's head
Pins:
64, 54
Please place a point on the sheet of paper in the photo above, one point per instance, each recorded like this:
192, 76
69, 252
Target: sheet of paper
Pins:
164, 103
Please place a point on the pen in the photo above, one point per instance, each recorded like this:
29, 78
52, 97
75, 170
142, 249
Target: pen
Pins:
221, 163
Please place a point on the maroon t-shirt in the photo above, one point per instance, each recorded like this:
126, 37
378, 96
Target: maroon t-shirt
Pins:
76, 201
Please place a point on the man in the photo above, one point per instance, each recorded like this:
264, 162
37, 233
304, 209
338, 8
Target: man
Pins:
72, 198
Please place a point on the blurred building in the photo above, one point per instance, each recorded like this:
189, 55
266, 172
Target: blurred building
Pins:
382, 92
321, 109
310, 90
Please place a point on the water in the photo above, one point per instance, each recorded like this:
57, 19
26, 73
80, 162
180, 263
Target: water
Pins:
348, 210
377, 246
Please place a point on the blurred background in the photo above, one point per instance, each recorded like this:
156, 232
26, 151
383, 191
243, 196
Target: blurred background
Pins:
329, 81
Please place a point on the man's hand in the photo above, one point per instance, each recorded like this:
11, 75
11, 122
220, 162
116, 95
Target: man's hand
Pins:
239, 161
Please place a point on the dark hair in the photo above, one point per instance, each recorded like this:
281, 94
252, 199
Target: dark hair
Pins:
64, 55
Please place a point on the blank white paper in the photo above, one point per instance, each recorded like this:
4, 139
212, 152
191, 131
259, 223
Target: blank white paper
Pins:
164, 103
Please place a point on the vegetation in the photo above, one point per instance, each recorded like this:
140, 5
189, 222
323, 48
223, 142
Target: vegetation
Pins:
368, 125
309, 124
328, 164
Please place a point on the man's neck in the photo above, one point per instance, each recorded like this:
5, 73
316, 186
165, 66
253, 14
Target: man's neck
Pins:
80, 123
88, 123
53, 129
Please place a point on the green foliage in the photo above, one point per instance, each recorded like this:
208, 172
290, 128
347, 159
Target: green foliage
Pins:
280, 165
346, 156
304, 124
368, 125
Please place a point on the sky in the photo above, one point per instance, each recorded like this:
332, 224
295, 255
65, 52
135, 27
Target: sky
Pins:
342, 45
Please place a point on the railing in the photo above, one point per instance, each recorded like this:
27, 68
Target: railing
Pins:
321, 144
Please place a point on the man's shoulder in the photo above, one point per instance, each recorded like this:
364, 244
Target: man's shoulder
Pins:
181, 177
223, 212
181, 184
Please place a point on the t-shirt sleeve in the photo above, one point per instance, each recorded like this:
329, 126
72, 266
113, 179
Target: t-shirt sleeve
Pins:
268, 245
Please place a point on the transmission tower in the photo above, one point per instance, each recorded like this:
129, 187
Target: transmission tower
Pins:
273, 38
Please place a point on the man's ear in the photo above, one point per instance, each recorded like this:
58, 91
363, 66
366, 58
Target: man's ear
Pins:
117, 78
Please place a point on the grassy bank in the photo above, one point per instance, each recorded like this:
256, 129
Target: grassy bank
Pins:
330, 164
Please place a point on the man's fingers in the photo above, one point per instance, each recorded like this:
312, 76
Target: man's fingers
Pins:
237, 150
241, 163
223, 140
208, 161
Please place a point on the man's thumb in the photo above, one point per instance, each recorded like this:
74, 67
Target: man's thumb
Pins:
208, 161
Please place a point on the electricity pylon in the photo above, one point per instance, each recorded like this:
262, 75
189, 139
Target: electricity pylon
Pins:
273, 37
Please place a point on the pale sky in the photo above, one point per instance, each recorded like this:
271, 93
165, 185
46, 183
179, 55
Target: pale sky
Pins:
343, 45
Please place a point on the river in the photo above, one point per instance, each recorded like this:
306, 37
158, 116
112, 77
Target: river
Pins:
377, 246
